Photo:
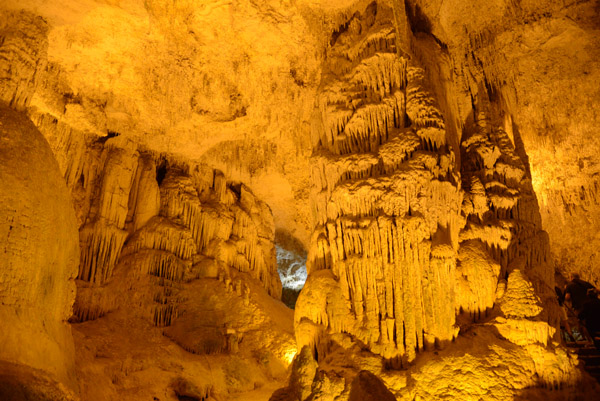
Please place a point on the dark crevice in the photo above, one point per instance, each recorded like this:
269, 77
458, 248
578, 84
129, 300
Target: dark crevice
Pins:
336, 34
236, 188
297, 80
188, 398
109, 134
161, 171
371, 14
420, 23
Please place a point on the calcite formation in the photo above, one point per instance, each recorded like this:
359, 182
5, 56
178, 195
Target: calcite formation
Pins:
39, 261
539, 60
426, 166
406, 238
386, 201
193, 225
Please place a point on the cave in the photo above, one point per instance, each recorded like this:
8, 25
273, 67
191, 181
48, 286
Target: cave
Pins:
308, 200
291, 266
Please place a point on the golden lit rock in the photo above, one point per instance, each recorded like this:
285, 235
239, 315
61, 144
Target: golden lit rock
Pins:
428, 167
39, 262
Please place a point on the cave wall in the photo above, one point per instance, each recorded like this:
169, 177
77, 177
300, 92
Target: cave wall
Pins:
238, 95
39, 261
459, 259
390, 216
147, 215
539, 62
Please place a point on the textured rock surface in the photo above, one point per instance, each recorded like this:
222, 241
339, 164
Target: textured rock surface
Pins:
168, 250
181, 222
386, 201
238, 95
487, 239
539, 61
39, 261
206, 352
399, 143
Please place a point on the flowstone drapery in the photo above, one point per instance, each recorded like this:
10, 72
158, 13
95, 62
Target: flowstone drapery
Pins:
181, 222
409, 243
386, 200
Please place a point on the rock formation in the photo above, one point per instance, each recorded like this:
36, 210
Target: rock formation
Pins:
173, 246
398, 249
386, 200
431, 163
180, 222
39, 262
539, 63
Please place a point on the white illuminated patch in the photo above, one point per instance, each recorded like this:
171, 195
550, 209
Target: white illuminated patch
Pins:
292, 269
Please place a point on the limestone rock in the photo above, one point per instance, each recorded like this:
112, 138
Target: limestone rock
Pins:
386, 205
366, 386
477, 279
303, 373
520, 307
538, 60
24, 38
435, 159
39, 263
171, 218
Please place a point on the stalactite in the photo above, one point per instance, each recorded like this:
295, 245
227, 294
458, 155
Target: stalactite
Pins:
503, 229
100, 249
381, 196
164, 314
168, 222
161, 234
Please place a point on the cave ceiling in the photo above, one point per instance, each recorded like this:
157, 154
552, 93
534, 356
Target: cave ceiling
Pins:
233, 83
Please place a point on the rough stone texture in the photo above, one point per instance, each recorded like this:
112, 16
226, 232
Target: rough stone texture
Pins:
207, 350
168, 250
238, 95
404, 145
383, 259
39, 261
192, 224
386, 200
368, 387
539, 61
23, 52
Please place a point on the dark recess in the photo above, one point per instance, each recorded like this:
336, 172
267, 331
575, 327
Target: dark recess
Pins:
289, 297
188, 398
297, 80
371, 14
236, 188
420, 23
336, 34
161, 171
109, 134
